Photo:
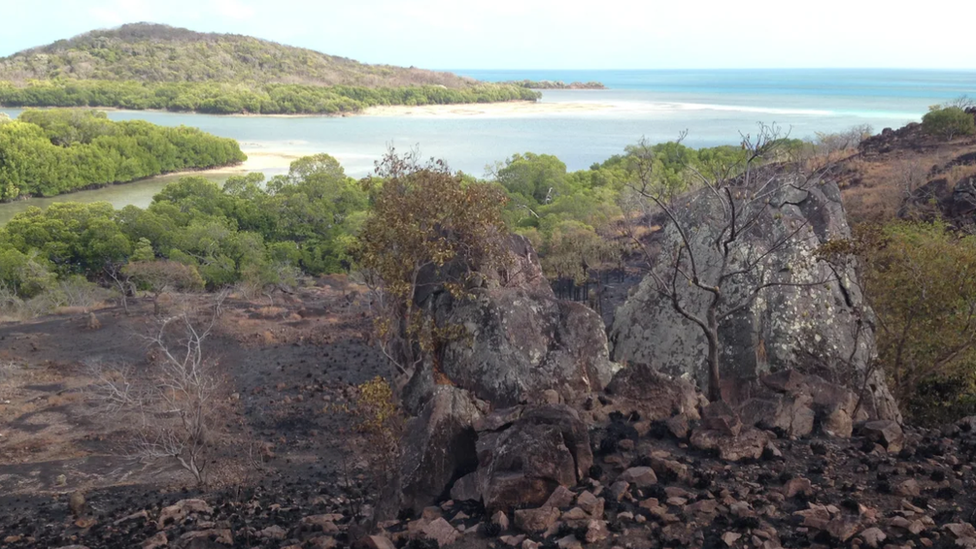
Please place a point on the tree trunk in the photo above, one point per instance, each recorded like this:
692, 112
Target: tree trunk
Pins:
714, 375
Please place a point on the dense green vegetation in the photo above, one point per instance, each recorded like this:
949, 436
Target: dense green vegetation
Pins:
45, 153
144, 66
948, 122
300, 222
235, 98
557, 85
148, 52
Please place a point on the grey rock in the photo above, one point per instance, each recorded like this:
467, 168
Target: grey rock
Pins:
824, 329
520, 343
885, 432
524, 461
439, 445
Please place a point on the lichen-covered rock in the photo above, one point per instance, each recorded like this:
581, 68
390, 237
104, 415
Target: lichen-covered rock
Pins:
523, 459
439, 446
519, 343
812, 327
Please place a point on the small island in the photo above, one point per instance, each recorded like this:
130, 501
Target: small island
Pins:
557, 85
147, 66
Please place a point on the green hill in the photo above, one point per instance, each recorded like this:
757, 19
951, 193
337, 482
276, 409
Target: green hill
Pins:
149, 66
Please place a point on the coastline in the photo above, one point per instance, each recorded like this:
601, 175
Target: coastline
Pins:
494, 109
501, 109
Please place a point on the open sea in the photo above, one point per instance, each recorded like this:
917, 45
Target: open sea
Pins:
714, 106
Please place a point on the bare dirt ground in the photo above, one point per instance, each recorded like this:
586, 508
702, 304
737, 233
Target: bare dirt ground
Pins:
292, 364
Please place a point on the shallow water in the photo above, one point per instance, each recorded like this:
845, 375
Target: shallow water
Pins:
714, 106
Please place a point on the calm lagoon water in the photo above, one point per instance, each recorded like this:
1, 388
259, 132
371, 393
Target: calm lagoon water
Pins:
714, 106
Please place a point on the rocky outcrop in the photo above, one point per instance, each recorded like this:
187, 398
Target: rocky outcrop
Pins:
652, 395
438, 447
815, 322
525, 453
518, 340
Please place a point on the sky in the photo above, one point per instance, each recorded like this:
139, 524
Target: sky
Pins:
548, 34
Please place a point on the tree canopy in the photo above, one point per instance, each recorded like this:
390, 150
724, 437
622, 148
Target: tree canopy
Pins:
45, 153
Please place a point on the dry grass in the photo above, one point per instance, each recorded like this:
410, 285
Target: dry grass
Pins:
875, 188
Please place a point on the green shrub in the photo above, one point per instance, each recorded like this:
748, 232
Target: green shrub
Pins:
948, 122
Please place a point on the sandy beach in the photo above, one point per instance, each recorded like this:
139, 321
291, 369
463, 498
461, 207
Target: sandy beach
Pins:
507, 109
256, 161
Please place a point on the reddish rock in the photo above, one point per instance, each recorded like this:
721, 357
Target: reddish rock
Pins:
640, 477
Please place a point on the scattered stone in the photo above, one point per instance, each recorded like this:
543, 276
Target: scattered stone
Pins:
538, 520
134, 516
569, 542
320, 523
274, 532
873, 537
641, 477
908, 488
748, 444
596, 531
619, 489
797, 486
885, 432
175, 513
512, 541
156, 542
442, 531
591, 504
500, 519
561, 497
730, 538
76, 502
376, 542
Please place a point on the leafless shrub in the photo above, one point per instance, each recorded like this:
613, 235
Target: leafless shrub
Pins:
177, 404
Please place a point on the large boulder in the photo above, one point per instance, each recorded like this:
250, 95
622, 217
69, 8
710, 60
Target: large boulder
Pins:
815, 322
438, 447
517, 339
652, 395
526, 452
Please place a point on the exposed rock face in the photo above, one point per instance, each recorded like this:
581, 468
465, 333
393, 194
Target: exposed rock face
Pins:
439, 447
519, 340
653, 395
525, 453
815, 328
792, 404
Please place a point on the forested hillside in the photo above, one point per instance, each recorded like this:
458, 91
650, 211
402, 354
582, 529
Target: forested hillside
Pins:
147, 66
160, 53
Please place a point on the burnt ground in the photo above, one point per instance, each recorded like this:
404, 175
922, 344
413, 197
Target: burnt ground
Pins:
292, 364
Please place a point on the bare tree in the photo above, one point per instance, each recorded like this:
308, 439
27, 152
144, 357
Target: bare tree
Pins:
178, 403
715, 270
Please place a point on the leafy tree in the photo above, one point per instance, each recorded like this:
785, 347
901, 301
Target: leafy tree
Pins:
573, 249
52, 152
948, 122
921, 281
425, 228
539, 177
